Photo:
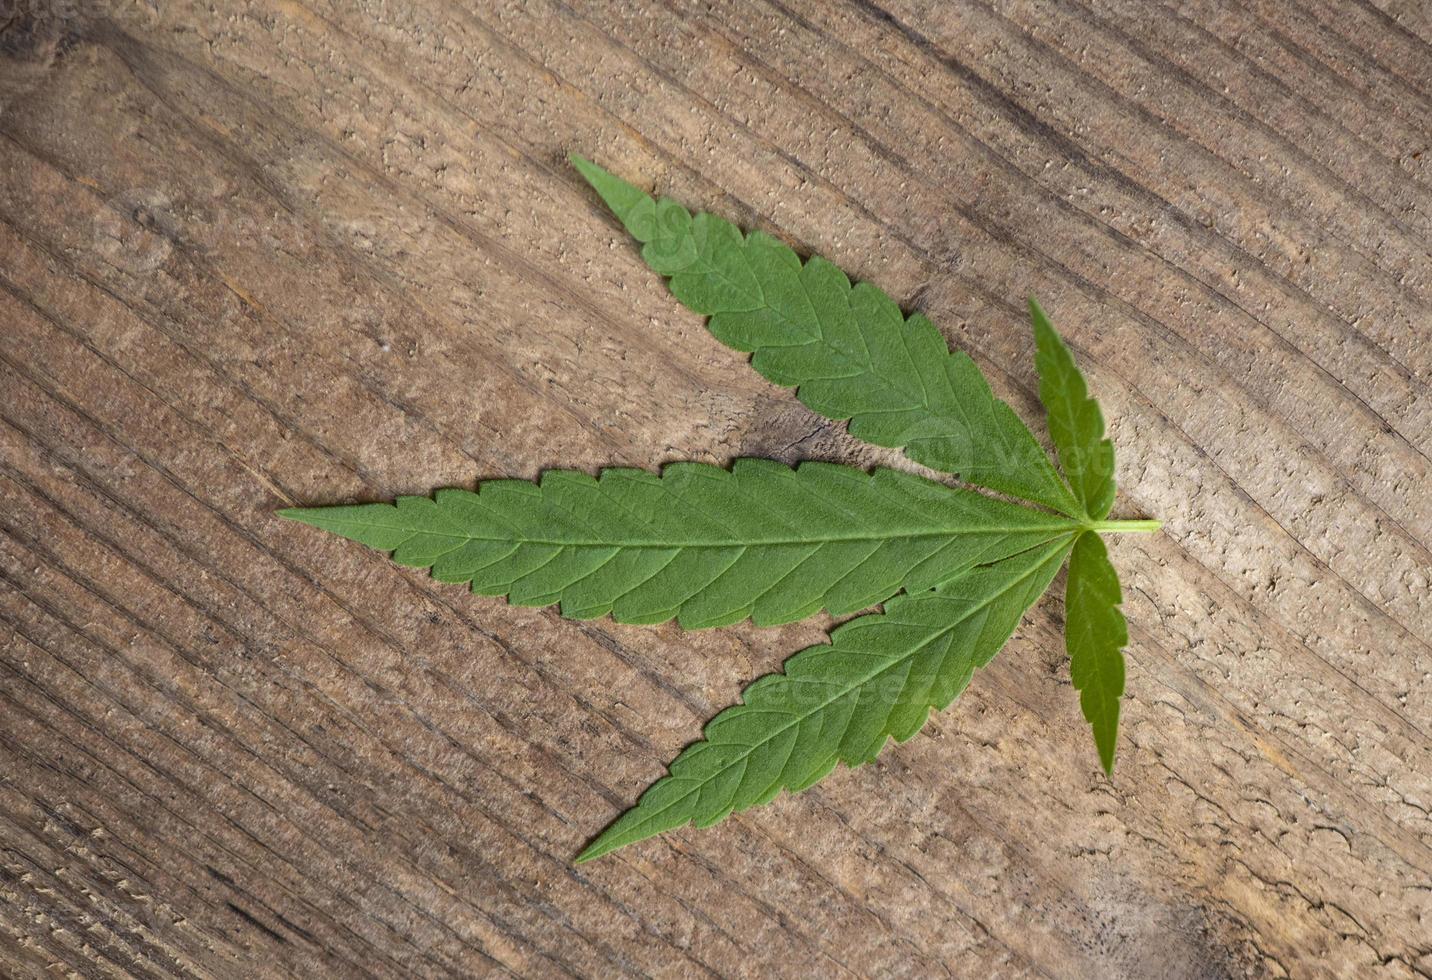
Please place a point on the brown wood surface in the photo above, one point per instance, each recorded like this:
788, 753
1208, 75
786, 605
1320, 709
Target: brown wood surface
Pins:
256, 254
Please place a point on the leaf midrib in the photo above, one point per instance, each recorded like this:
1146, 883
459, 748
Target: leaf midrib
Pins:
743, 543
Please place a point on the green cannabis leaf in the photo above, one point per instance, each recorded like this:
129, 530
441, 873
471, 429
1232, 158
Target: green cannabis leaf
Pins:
709, 546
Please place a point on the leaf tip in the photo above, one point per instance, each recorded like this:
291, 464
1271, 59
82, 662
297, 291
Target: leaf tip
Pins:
582, 164
594, 175
632, 205
1043, 326
600, 847
1106, 756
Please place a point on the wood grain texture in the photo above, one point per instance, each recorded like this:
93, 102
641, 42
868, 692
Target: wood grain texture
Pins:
307, 251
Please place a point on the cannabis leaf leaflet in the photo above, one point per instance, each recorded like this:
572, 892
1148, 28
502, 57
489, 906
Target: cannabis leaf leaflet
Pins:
1075, 422
877, 679
849, 350
1095, 634
704, 544
709, 546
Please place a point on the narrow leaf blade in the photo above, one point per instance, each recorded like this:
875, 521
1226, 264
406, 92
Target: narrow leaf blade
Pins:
1095, 634
878, 679
1076, 423
703, 544
848, 350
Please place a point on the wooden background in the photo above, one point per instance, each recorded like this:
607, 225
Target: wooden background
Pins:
253, 254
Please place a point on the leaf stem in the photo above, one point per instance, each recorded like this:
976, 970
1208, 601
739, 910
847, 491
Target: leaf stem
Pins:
1130, 527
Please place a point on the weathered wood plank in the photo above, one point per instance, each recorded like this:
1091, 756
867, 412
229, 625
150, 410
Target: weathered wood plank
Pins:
253, 254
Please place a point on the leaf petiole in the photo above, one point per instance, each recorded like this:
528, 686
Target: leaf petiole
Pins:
1127, 527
